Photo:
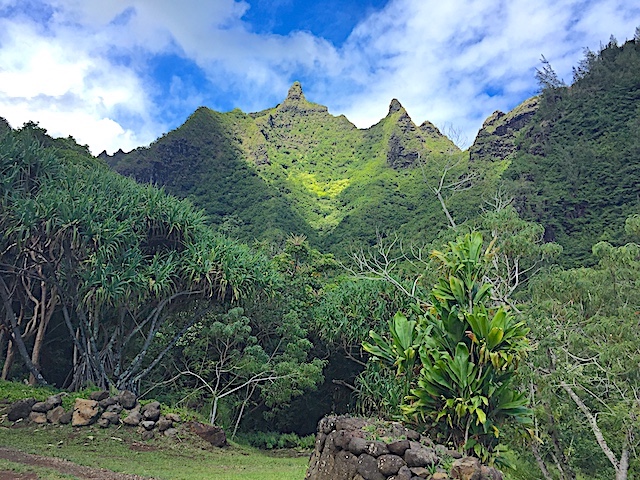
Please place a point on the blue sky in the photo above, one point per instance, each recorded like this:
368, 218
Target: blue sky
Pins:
119, 73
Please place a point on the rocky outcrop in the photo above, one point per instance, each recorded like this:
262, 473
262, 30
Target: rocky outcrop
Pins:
404, 144
407, 144
296, 103
353, 448
496, 140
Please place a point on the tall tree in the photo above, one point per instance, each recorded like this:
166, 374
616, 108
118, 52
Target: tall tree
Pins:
586, 324
114, 260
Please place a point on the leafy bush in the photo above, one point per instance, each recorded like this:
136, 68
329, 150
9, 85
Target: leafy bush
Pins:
457, 358
275, 440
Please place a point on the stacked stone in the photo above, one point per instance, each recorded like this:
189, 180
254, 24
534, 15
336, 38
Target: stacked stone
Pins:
49, 411
100, 409
344, 450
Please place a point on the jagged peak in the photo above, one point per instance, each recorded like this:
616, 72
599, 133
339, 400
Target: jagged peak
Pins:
430, 129
295, 93
395, 106
297, 103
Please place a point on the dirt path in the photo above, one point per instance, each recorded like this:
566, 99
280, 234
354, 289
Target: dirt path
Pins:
63, 466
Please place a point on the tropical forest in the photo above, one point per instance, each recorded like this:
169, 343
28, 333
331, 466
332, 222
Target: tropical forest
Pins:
260, 271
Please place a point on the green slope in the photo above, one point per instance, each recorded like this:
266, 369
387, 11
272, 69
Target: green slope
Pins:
577, 166
203, 161
296, 168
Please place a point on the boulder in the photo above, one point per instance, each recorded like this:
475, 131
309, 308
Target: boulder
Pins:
114, 407
171, 432
133, 419
368, 468
148, 424
164, 424
147, 435
398, 447
390, 464
85, 412
358, 446
108, 402
38, 417
440, 476
345, 464
327, 425
151, 411
66, 417
99, 395
342, 439
420, 457
174, 417
420, 472
53, 415
127, 399
20, 409
403, 474
112, 417
211, 433
466, 468
103, 422
377, 448
54, 400
41, 407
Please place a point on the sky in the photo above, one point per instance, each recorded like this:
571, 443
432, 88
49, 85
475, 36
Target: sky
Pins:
117, 74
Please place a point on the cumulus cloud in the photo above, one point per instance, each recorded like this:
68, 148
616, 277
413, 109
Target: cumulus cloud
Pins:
83, 67
456, 62
54, 80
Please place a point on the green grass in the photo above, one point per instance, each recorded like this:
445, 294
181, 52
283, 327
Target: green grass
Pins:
120, 450
41, 472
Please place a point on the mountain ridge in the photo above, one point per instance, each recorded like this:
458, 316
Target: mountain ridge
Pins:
567, 158
315, 161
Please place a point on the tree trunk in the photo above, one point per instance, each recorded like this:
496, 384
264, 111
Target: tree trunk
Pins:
598, 434
16, 335
623, 466
540, 461
40, 334
8, 361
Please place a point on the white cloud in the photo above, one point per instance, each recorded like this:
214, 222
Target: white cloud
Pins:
458, 61
53, 80
449, 62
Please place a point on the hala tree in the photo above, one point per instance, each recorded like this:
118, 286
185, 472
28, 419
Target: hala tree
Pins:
114, 261
457, 356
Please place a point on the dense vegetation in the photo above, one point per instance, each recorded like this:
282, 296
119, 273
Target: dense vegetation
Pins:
494, 348
298, 169
577, 166
102, 278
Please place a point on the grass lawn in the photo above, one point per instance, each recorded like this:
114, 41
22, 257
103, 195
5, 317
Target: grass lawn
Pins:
121, 450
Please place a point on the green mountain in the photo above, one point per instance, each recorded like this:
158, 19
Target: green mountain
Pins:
568, 157
576, 165
296, 168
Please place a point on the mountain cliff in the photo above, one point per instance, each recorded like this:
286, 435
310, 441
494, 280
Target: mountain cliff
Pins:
576, 167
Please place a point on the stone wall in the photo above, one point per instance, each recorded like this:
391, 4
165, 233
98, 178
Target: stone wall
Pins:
105, 410
353, 448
